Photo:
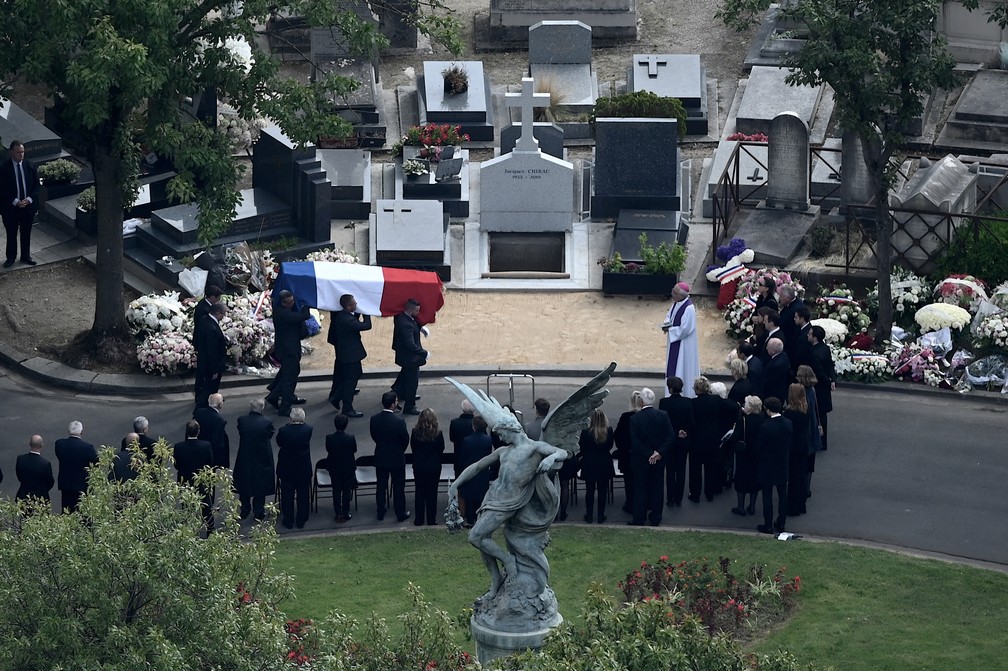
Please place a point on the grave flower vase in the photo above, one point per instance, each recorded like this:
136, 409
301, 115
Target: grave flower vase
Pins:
637, 284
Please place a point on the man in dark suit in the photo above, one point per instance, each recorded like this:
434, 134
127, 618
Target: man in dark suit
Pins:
122, 465
800, 345
651, 439
345, 330
771, 320
409, 355
777, 373
789, 305
34, 472
680, 412
288, 321
75, 456
294, 469
253, 470
19, 184
821, 362
211, 353
211, 297
192, 455
747, 352
391, 438
213, 429
772, 445
141, 426
458, 430
342, 466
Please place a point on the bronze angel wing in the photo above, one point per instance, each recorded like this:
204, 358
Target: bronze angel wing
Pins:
564, 423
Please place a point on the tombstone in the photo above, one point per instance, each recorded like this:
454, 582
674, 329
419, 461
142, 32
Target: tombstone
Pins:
752, 172
788, 163
980, 118
608, 19
921, 204
452, 189
472, 110
395, 23
856, 186
659, 225
409, 234
40, 143
274, 163
674, 76
349, 172
971, 37
560, 53
549, 136
525, 190
767, 94
636, 166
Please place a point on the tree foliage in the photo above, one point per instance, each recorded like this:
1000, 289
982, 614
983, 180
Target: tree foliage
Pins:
119, 70
127, 582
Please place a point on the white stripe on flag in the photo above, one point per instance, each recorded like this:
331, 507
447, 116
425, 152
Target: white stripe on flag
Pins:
366, 283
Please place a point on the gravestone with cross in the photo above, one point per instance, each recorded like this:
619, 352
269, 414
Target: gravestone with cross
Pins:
674, 76
526, 190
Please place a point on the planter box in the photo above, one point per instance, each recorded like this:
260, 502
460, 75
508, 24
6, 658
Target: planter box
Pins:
637, 284
87, 222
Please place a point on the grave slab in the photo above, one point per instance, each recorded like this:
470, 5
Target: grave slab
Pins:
40, 143
775, 236
608, 19
472, 110
636, 166
454, 193
752, 172
409, 234
788, 153
980, 119
767, 95
257, 211
679, 76
349, 172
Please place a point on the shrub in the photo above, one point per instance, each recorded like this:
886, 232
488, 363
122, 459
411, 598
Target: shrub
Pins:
819, 239
60, 171
978, 251
86, 200
642, 104
557, 98
456, 79
663, 259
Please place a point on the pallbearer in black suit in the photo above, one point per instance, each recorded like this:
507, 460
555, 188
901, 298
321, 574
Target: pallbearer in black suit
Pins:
772, 445
288, 321
345, 336
391, 438
213, 429
34, 472
294, 469
75, 455
211, 353
19, 184
192, 455
651, 439
342, 466
409, 355
211, 297
428, 445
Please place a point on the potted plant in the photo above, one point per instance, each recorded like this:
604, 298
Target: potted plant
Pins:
421, 140
456, 79
415, 168
641, 104
657, 273
59, 179
335, 132
86, 218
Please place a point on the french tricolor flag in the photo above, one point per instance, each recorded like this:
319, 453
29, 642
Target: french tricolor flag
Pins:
380, 292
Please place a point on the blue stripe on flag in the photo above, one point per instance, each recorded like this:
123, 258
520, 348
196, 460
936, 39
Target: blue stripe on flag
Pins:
298, 277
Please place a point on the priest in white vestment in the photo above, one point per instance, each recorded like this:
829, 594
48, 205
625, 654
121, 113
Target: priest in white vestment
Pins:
683, 349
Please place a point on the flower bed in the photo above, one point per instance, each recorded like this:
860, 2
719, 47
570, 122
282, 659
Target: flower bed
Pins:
859, 365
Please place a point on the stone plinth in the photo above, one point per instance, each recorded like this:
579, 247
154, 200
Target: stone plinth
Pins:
492, 644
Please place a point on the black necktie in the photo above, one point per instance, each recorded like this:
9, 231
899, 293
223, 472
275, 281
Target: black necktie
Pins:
19, 176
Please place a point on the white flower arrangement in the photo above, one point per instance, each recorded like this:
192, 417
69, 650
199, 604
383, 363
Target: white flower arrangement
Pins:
966, 291
909, 292
153, 313
838, 303
999, 297
738, 316
859, 366
166, 354
937, 316
333, 254
836, 331
994, 329
249, 334
243, 133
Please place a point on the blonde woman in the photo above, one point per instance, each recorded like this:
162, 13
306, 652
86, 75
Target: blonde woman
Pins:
596, 443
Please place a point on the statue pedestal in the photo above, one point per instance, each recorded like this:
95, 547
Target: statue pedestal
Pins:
492, 643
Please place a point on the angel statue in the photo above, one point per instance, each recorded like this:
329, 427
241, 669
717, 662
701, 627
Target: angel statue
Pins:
523, 500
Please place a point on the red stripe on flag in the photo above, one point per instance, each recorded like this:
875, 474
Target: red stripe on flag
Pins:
401, 285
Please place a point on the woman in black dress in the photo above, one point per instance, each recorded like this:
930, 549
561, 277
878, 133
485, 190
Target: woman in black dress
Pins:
742, 387
744, 443
427, 443
597, 470
796, 409
807, 378
766, 293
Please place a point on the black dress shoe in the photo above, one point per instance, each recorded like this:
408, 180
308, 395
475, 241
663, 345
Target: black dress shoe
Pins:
418, 522
299, 525
29, 260
273, 402
381, 516
8, 263
405, 517
411, 411
739, 511
763, 529
588, 519
602, 519
354, 414
356, 391
299, 401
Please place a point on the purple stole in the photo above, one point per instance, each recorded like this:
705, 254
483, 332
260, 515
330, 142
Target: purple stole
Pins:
673, 350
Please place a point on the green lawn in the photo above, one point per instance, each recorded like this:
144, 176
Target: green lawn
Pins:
858, 608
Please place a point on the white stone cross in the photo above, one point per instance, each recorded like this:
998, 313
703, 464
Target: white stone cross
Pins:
527, 100
652, 64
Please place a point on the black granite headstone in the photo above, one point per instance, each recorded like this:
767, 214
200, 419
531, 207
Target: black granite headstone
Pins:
550, 137
636, 165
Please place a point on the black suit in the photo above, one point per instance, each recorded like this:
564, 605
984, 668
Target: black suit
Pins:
211, 358
409, 356
74, 456
35, 474
761, 346
801, 349
680, 412
18, 219
345, 336
147, 445
706, 470
777, 377
391, 438
213, 429
253, 469
201, 310
821, 362
788, 326
341, 448
192, 455
772, 445
459, 428
122, 465
426, 476
473, 491
650, 432
755, 375
287, 350
294, 469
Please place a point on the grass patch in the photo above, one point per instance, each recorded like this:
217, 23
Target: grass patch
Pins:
858, 609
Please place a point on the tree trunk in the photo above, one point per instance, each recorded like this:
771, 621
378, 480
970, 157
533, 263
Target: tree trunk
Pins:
110, 311
877, 157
